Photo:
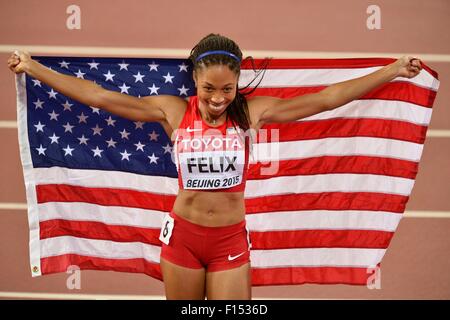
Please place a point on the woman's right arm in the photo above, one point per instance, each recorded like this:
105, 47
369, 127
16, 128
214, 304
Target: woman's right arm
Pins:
87, 92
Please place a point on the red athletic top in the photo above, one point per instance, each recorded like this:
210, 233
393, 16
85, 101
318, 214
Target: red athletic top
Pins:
210, 158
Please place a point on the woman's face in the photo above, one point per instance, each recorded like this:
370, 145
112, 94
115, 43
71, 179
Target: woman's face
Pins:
216, 88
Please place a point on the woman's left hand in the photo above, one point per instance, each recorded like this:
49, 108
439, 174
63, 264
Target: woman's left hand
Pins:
407, 67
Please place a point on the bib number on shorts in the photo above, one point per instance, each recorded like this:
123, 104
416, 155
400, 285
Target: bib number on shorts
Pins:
166, 229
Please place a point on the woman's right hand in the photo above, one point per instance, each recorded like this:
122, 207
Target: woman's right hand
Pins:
18, 61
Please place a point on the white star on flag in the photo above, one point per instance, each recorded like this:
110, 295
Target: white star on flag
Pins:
93, 65
36, 83
110, 121
54, 139
97, 152
154, 89
124, 134
68, 127
38, 104
111, 143
41, 150
124, 88
183, 67
95, 110
67, 106
52, 94
109, 76
64, 64
97, 130
39, 127
83, 140
82, 118
153, 158
68, 150
125, 155
167, 148
168, 78
80, 74
139, 146
153, 66
53, 115
153, 136
138, 77
183, 90
123, 65
139, 125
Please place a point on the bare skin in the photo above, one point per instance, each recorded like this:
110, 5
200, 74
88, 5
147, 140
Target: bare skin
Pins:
216, 89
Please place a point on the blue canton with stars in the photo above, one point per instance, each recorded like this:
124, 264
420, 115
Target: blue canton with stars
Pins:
65, 133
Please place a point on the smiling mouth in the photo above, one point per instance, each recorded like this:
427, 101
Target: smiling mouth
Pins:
219, 107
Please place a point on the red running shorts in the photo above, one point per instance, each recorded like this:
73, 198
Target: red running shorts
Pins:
213, 248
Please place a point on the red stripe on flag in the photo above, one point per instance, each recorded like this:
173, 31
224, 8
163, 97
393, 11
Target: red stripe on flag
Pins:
285, 239
61, 263
328, 201
287, 202
99, 231
334, 164
319, 275
343, 128
104, 196
260, 240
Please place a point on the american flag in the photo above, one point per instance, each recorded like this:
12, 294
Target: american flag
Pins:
98, 186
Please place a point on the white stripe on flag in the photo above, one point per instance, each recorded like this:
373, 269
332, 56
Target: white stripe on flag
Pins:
271, 221
359, 146
377, 109
324, 220
254, 188
99, 248
285, 78
340, 257
111, 215
107, 179
333, 182
316, 257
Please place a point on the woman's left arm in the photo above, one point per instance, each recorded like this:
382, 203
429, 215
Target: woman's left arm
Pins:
269, 109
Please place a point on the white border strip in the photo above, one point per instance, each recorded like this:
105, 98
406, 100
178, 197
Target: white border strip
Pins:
8, 124
438, 134
28, 173
184, 53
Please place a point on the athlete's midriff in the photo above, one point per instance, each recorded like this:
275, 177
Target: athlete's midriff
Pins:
211, 209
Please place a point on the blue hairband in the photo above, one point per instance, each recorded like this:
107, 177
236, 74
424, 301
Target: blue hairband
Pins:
207, 53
